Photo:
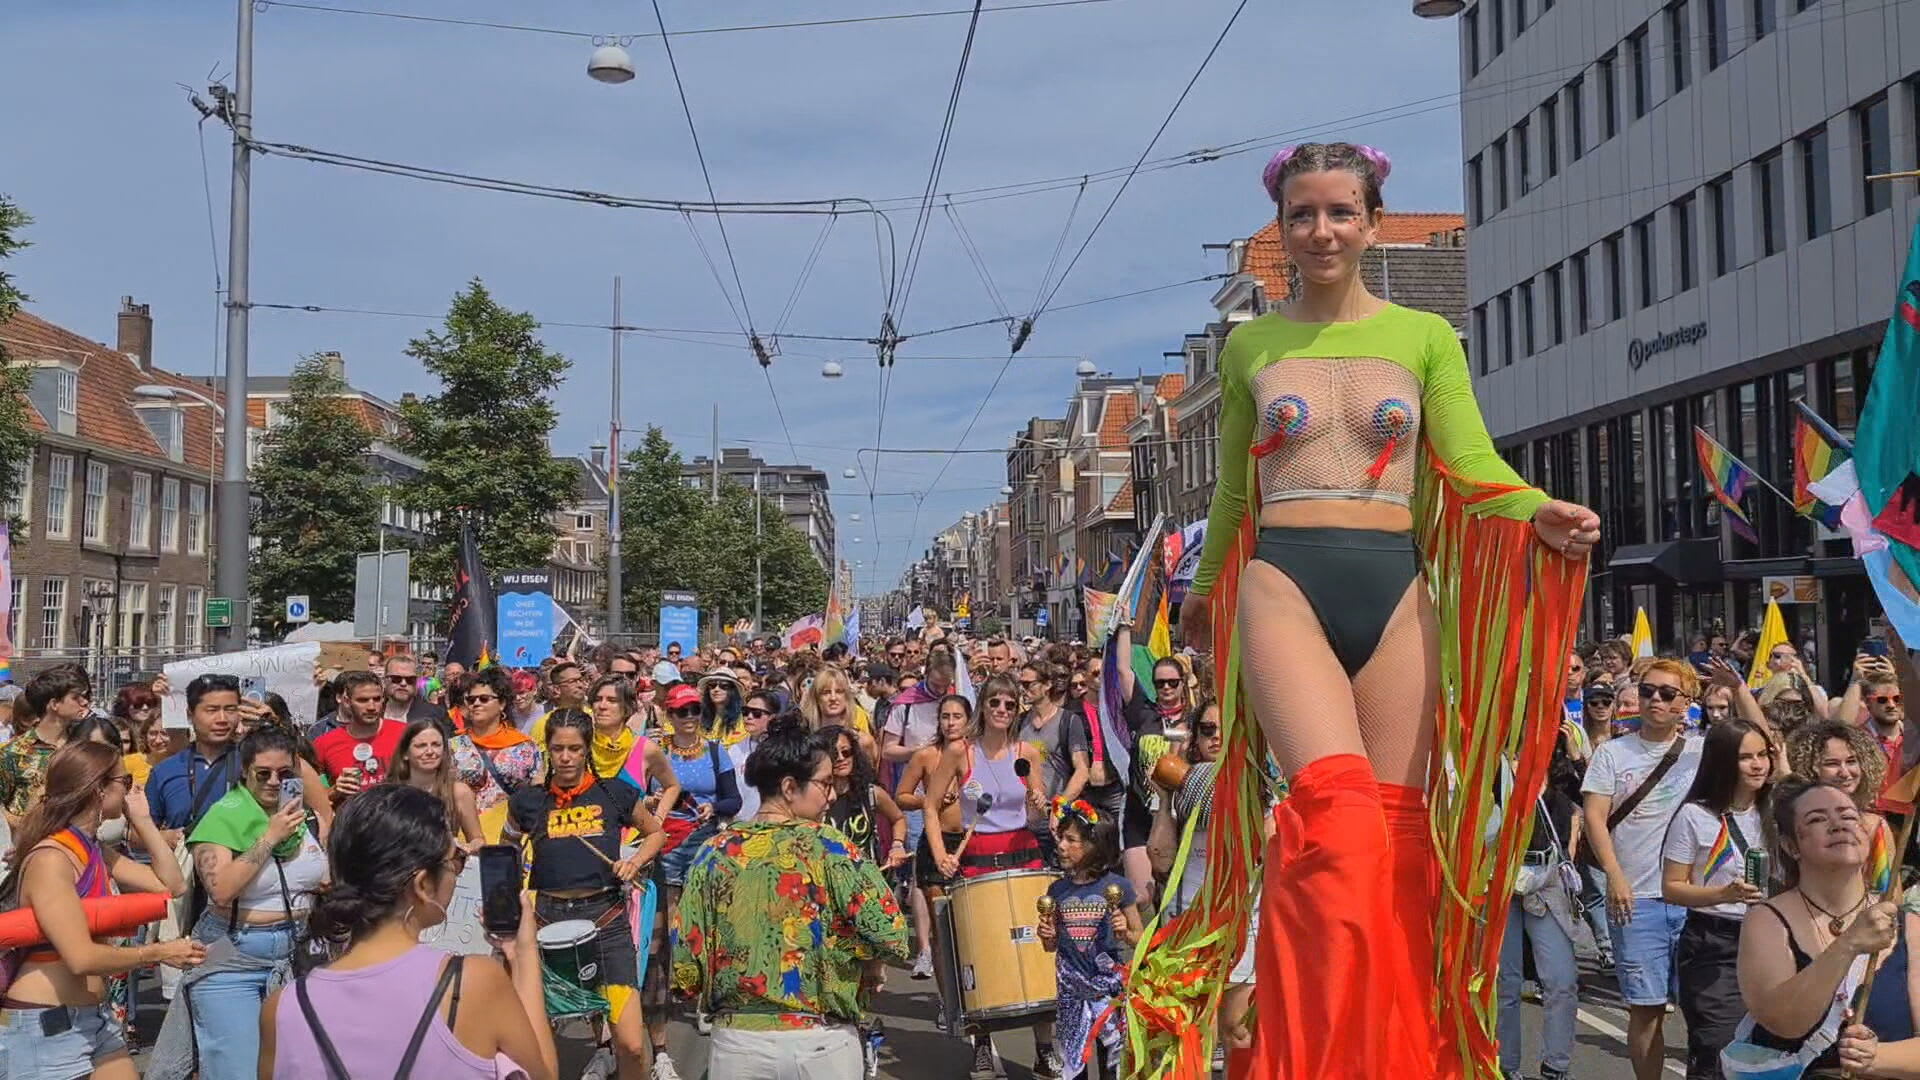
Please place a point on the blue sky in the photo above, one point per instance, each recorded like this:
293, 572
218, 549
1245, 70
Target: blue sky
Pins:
103, 151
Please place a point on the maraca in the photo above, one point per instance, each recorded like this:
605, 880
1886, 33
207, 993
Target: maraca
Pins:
1044, 905
1114, 895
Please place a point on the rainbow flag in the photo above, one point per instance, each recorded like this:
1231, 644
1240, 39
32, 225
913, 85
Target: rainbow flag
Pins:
1817, 451
1880, 862
1721, 853
1728, 477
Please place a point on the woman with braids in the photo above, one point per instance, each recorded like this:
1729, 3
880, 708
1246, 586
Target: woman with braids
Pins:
1404, 614
56, 1020
574, 822
389, 1000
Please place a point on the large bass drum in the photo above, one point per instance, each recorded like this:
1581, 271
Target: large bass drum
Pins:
998, 970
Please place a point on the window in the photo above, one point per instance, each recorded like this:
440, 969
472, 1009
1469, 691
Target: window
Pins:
16, 599
1550, 135
59, 496
583, 522
1576, 96
1763, 18
20, 495
1582, 315
1476, 197
1470, 29
1499, 26
1480, 343
1640, 71
1643, 260
1608, 72
131, 630
1802, 5
1506, 329
1815, 181
1556, 317
163, 616
140, 513
53, 613
1523, 154
1716, 14
93, 512
1875, 127
1680, 44
1720, 205
196, 520
1771, 191
1500, 192
169, 514
1683, 243
1616, 273
1527, 339
55, 394
191, 611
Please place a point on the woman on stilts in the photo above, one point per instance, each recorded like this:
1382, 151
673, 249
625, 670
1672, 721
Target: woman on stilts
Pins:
1394, 606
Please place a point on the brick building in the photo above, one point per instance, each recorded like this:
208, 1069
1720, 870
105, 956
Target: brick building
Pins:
113, 565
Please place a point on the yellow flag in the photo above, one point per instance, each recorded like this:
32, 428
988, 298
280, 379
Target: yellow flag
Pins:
1773, 631
1642, 634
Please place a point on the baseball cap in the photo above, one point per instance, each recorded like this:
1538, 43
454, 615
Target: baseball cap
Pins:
682, 696
882, 671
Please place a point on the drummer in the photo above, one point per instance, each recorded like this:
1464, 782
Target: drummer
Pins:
915, 795
996, 805
574, 823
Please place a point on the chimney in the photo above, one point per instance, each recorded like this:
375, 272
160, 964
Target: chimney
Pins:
598, 456
336, 366
135, 333
409, 398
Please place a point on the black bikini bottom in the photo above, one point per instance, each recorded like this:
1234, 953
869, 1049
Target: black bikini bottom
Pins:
1353, 578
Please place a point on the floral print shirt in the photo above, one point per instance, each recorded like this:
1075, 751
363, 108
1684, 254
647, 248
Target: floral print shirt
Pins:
519, 763
776, 924
23, 772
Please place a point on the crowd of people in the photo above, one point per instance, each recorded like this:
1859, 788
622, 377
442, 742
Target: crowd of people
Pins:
754, 836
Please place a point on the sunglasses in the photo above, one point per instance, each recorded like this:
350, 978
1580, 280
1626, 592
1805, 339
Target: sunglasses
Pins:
125, 780
481, 699
684, 714
1885, 699
267, 776
1206, 731
400, 678
751, 711
1649, 691
457, 861
1167, 684
1002, 703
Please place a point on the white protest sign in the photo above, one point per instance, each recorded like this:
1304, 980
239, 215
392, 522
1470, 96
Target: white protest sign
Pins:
286, 670
462, 932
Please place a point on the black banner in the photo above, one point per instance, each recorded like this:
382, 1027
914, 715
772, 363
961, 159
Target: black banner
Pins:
471, 637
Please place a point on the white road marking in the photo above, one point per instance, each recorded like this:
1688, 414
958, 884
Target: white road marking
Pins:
1614, 1032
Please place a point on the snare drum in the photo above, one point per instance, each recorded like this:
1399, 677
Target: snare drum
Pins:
571, 969
1001, 969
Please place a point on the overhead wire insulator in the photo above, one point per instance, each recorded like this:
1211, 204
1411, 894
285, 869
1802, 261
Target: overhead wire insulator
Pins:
760, 350
1022, 330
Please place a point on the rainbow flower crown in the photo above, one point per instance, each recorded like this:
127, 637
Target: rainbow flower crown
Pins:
1079, 808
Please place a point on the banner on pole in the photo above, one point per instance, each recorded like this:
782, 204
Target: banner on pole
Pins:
525, 608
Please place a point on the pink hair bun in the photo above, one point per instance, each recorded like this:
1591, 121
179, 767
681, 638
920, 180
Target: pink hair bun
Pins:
1270, 176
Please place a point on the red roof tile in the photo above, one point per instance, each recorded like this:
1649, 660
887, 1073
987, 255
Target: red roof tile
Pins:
1266, 259
1122, 500
1119, 412
105, 412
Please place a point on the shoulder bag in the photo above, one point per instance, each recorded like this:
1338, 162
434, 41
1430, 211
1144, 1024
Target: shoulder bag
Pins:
1626, 806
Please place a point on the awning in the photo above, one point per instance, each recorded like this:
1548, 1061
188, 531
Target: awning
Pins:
1679, 562
1754, 569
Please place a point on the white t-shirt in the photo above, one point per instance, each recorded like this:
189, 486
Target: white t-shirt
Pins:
1617, 769
1694, 833
917, 725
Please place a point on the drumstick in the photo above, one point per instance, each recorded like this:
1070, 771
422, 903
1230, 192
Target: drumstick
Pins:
980, 807
597, 851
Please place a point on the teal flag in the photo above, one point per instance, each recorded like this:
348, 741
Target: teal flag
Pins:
1886, 448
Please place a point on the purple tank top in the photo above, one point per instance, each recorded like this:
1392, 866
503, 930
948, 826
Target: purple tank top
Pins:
1009, 809
370, 1015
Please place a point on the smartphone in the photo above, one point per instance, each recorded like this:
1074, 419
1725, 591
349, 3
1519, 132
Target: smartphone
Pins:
500, 888
1874, 646
289, 790
254, 688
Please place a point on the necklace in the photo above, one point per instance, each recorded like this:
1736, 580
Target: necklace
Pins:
688, 753
1835, 923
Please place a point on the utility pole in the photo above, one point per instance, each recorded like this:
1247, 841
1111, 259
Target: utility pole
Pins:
716, 453
230, 570
758, 583
616, 601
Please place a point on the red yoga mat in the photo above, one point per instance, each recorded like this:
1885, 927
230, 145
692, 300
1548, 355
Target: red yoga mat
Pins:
107, 916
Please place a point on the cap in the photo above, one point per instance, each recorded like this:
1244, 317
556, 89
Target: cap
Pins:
682, 696
1598, 692
881, 671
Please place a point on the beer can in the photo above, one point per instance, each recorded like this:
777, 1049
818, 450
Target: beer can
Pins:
1758, 867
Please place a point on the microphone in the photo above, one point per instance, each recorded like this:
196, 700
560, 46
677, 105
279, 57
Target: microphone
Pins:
1022, 768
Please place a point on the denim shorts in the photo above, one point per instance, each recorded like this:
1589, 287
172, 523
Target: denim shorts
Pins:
89, 1040
1643, 952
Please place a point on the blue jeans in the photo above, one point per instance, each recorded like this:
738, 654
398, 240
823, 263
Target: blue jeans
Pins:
1594, 899
225, 1007
87, 1038
1643, 952
1559, 985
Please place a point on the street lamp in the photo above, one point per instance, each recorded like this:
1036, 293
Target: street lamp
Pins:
1085, 369
1438, 9
831, 370
610, 63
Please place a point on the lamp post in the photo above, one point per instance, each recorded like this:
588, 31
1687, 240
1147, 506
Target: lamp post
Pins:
233, 504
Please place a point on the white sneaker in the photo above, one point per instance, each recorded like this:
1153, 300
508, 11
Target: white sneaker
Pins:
601, 1067
923, 966
663, 1068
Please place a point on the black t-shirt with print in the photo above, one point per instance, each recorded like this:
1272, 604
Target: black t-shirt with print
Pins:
560, 859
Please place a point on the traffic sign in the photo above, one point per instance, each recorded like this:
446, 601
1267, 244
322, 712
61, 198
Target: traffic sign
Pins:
297, 607
219, 612
1040, 618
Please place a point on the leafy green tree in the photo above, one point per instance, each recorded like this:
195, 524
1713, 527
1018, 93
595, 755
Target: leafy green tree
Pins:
483, 438
17, 435
676, 537
319, 499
